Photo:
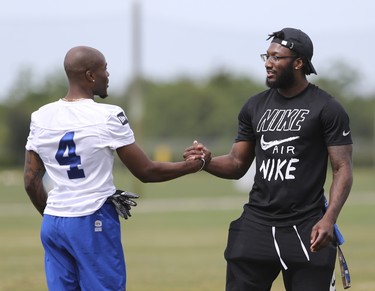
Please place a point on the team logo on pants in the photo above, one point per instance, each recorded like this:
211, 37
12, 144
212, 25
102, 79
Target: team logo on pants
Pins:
98, 225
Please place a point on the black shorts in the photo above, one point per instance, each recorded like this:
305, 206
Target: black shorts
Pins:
257, 253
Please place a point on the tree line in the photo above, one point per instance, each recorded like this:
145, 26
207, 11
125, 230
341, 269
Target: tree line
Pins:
177, 111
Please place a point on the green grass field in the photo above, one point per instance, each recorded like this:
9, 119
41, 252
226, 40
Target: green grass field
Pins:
177, 235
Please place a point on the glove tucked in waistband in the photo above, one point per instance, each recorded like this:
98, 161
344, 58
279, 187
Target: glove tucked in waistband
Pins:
123, 202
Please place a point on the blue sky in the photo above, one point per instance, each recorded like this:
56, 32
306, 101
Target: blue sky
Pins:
181, 37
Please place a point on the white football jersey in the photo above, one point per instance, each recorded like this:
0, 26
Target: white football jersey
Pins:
76, 142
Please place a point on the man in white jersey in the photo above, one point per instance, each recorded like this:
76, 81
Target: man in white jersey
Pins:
74, 140
293, 129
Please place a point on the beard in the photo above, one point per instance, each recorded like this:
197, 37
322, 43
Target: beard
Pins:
284, 80
102, 92
103, 96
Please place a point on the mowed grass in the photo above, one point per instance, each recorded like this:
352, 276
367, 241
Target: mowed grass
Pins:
177, 235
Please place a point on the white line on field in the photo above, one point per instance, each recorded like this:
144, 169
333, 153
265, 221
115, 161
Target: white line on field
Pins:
148, 205
154, 205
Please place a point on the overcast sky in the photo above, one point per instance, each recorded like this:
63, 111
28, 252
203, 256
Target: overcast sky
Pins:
182, 37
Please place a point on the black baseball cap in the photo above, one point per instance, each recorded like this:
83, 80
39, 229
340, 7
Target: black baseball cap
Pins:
297, 41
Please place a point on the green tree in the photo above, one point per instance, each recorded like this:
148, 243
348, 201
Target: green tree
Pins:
188, 108
184, 108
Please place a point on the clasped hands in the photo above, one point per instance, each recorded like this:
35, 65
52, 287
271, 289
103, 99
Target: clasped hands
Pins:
198, 152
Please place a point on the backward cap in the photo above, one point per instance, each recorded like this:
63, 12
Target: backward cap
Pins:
297, 41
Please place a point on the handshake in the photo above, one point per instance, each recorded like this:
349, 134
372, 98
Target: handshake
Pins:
198, 152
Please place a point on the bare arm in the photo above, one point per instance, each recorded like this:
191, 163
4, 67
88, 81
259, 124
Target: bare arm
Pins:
33, 180
341, 163
342, 167
230, 166
146, 170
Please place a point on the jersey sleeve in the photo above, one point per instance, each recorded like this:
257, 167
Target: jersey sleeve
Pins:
119, 129
335, 121
31, 139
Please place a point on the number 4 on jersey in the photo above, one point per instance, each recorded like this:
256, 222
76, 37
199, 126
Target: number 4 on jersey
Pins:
71, 159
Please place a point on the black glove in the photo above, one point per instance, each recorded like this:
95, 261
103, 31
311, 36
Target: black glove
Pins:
123, 202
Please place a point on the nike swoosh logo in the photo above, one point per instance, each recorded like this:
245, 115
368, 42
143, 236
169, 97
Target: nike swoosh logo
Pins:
265, 145
345, 133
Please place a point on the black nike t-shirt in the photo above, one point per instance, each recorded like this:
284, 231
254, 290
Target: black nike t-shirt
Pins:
291, 137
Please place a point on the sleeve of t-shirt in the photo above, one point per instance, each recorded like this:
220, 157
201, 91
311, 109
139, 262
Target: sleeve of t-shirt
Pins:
245, 130
336, 125
119, 129
31, 139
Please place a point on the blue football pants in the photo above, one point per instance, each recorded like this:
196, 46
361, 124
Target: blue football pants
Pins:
84, 253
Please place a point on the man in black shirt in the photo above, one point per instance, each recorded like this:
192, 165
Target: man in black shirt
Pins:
292, 129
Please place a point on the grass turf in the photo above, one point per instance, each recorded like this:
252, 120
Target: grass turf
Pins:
177, 235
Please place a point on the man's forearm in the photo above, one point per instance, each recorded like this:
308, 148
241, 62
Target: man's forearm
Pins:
33, 180
339, 192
